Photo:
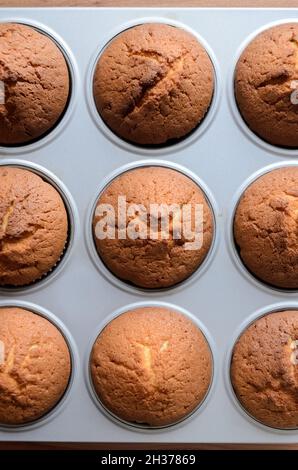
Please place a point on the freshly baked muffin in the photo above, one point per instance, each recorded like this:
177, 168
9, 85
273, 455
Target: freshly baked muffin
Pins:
153, 83
36, 84
33, 226
151, 366
266, 85
35, 366
264, 369
265, 227
153, 260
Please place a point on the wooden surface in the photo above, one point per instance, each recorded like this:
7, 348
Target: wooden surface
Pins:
124, 446
150, 3
143, 3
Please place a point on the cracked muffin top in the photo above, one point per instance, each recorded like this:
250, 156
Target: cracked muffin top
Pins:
151, 366
266, 227
145, 251
36, 84
264, 369
33, 226
35, 366
266, 85
153, 84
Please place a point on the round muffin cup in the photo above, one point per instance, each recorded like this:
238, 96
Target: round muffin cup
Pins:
104, 270
73, 225
139, 427
157, 150
74, 358
228, 360
232, 248
67, 114
273, 149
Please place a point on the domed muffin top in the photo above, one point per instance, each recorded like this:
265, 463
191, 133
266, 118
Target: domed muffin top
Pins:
153, 83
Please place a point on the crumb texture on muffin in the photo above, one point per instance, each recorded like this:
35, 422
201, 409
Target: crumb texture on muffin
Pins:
160, 262
33, 226
35, 369
153, 83
264, 370
265, 79
151, 366
36, 84
265, 227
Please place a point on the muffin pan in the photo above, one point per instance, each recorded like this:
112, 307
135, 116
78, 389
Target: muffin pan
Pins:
83, 155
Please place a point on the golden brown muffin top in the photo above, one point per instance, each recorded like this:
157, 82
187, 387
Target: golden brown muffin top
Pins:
264, 369
34, 368
265, 80
33, 226
160, 262
36, 83
151, 366
153, 83
265, 227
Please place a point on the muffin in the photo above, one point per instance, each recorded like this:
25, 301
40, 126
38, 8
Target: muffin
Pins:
151, 366
153, 260
36, 84
266, 85
265, 227
33, 226
264, 370
35, 366
153, 84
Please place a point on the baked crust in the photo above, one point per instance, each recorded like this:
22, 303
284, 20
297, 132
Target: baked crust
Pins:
151, 366
265, 78
160, 262
264, 370
36, 368
265, 227
33, 226
153, 83
36, 84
